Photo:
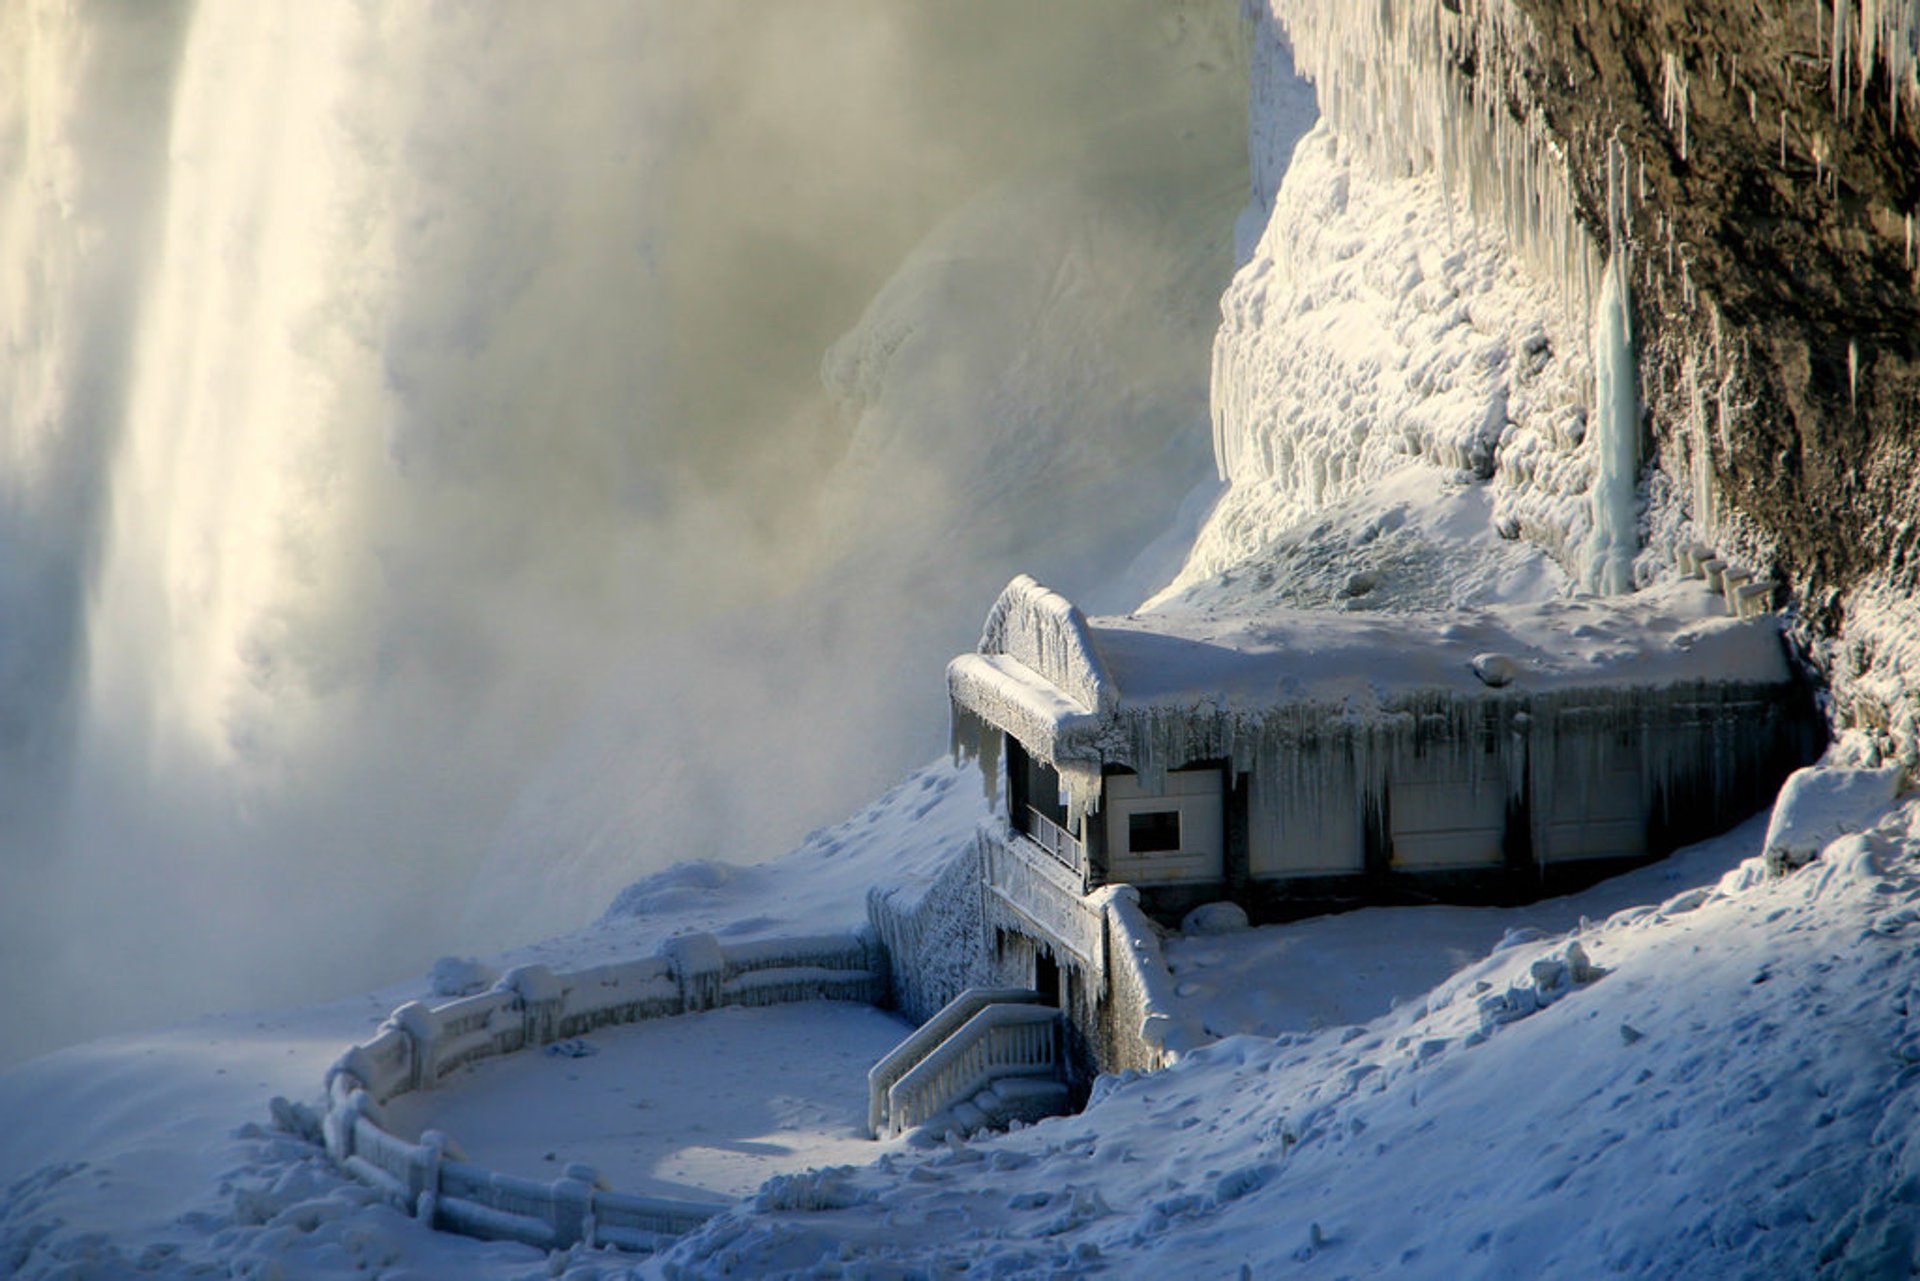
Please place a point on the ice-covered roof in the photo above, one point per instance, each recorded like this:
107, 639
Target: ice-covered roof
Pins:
1351, 662
1656, 638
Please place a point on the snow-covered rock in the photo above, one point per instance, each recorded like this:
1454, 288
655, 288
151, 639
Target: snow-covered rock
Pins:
460, 976
1820, 804
1214, 918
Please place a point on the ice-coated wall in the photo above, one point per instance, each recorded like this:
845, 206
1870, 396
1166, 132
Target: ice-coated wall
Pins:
1423, 288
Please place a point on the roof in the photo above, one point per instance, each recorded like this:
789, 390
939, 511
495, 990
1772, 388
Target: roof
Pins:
1351, 662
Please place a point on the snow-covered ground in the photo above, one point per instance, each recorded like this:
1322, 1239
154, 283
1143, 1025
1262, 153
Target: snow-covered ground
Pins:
1419, 1092
699, 1107
156, 1154
1335, 970
1730, 1093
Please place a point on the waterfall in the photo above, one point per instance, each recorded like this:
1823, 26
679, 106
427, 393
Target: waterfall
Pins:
423, 512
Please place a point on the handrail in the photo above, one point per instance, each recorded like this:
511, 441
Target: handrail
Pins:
927, 1038
1056, 840
1000, 1041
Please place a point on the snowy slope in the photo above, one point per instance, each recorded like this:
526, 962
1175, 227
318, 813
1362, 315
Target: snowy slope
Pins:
155, 1153
1374, 327
1733, 1096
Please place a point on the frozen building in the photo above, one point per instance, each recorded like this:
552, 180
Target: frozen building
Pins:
1298, 762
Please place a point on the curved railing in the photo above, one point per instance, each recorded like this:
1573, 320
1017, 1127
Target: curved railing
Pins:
419, 1046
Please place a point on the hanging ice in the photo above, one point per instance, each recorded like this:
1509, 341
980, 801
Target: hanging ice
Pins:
1608, 565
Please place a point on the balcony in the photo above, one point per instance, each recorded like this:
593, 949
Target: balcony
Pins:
1066, 848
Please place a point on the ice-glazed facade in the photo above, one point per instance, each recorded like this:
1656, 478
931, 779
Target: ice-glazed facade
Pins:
1297, 762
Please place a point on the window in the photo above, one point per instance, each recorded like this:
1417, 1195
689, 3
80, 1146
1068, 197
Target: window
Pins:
1153, 832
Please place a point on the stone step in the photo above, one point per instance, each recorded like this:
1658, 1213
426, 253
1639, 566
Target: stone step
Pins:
1010, 1099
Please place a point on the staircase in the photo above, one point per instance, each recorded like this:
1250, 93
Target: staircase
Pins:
990, 1057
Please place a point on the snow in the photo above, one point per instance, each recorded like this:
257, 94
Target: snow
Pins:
1368, 333
1677, 632
1363, 1112
1678, 1113
1335, 971
1215, 669
1874, 667
1820, 804
156, 1153
697, 1107
1702, 1069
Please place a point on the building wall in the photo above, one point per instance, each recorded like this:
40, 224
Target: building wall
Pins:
1494, 798
1196, 798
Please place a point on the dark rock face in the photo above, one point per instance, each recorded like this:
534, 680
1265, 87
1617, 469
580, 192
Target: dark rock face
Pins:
1783, 297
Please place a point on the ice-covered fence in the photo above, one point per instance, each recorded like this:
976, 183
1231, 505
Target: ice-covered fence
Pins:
419, 1046
1746, 594
910, 1053
999, 1041
840, 967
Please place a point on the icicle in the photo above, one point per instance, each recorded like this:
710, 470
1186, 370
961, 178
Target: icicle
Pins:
1702, 454
1673, 96
1608, 564
1386, 79
1838, 65
1909, 259
1853, 376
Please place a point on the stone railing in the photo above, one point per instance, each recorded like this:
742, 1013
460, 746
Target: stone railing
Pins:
420, 1046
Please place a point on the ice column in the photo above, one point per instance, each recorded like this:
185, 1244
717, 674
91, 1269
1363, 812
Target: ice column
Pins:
1607, 566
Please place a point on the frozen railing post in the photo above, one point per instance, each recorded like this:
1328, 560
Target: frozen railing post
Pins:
425, 1184
541, 994
415, 1021
700, 967
573, 1205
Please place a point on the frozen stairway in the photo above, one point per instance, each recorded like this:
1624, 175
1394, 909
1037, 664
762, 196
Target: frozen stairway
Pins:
990, 1057
1010, 1099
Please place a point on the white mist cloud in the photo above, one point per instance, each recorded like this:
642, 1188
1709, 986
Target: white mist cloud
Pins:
471, 530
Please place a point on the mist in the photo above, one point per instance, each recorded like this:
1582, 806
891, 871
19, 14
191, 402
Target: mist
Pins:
460, 458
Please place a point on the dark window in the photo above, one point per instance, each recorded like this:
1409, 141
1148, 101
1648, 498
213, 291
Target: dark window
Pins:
1154, 832
1042, 792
